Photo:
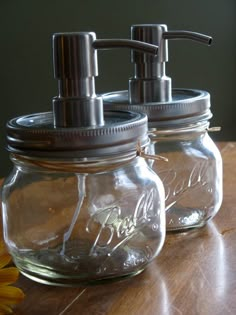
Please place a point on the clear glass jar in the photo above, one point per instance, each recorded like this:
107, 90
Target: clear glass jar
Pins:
193, 175
178, 130
76, 221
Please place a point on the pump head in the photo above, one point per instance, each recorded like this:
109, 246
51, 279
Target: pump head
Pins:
75, 68
150, 83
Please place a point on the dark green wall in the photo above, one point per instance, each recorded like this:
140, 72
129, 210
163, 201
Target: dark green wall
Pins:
26, 80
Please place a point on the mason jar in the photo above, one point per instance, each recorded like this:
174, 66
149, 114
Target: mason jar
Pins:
178, 130
80, 206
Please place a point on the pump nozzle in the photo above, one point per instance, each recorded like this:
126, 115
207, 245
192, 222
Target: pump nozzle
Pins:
197, 37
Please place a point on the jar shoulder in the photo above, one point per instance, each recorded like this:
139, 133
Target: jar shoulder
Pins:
201, 146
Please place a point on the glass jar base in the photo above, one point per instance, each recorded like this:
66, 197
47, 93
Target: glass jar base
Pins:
179, 219
63, 281
51, 266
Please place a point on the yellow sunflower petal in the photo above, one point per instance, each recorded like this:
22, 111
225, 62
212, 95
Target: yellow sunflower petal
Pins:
10, 295
4, 309
8, 275
2, 245
5, 258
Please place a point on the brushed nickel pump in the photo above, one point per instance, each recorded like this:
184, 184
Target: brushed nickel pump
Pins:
150, 83
75, 67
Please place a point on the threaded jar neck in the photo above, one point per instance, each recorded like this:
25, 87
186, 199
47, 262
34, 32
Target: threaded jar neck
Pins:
77, 165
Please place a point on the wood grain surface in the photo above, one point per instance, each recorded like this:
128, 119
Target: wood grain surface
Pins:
195, 274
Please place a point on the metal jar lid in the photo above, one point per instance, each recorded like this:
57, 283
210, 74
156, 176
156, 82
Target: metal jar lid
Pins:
35, 135
186, 106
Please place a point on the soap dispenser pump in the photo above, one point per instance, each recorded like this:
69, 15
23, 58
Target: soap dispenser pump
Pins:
178, 122
88, 208
75, 68
150, 82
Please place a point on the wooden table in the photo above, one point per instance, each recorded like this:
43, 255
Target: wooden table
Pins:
195, 274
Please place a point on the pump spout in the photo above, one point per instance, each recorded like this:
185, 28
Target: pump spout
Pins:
126, 43
197, 37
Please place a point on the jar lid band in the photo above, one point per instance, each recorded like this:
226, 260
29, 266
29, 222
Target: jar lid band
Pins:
35, 135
